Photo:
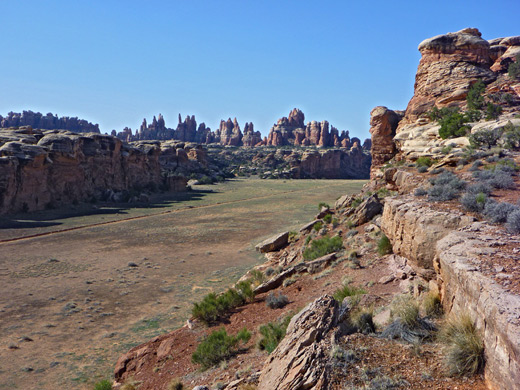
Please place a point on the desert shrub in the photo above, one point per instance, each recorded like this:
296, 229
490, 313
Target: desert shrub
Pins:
497, 212
474, 98
473, 115
501, 179
323, 204
317, 226
103, 385
347, 291
513, 70
420, 192
363, 320
474, 202
493, 111
384, 246
513, 222
322, 246
272, 333
206, 180
511, 136
228, 300
335, 222
484, 138
476, 165
422, 169
432, 304
464, 346
407, 324
327, 218
507, 165
445, 187
481, 187
218, 346
269, 272
483, 175
274, 301
175, 384
406, 308
356, 202
447, 149
287, 282
453, 125
436, 114
338, 354
207, 310
257, 276
245, 290
293, 236
424, 162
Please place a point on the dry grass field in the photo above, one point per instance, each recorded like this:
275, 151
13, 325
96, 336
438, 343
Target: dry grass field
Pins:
78, 287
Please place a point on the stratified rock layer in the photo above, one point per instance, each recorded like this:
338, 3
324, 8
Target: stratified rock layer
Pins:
47, 122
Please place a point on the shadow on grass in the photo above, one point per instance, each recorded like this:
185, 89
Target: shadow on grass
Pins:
48, 218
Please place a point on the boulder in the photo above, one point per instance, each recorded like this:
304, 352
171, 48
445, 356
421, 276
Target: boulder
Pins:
367, 210
273, 243
301, 359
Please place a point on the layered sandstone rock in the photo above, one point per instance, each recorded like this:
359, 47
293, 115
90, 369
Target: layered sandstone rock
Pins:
300, 360
41, 169
47, 122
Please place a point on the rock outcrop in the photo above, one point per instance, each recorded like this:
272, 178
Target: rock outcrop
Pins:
47, 122
292, 131
45, 169
300, 360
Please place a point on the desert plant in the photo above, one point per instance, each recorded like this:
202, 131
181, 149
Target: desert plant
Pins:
257, 276
511, 136
481, 187
340, 355
272, 333
513, 70
218, 346
432, 304
453, 125
424, 161
175, 384
322, 205
406, 308
474, 202
346, 290
245, 290
274, 301
363, 320
422, 169
497, 212
327, 218
322, 246
207, 310
103, 385
464, 346
493, 111
513, 222
420, 192
436, 114
384, 246
317, 226
445, 187
474, 98
484, 138
502, 179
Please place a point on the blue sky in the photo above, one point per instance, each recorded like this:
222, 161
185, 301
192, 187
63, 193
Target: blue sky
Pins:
115, 62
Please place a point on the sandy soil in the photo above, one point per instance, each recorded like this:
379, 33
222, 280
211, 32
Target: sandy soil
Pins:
92, 282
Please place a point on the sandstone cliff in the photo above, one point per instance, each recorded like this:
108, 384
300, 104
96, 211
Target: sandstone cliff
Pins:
46, 169
48, 122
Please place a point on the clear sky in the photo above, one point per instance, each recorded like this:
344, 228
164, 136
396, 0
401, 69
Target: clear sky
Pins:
115, 62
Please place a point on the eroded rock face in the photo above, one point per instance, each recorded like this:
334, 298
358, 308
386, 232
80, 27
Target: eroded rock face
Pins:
383, 124
300, 360
47, 122
41, 169
450, 63
414, 229
495, 310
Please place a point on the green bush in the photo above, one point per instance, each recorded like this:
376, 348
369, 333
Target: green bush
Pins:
272, 333
406, 308
436, 114
484, 138
384, 246
453, 125
207, 310
493, 111
212, 307
317, 226
424, 161
511, 136
245, 290
513, 69
322, 246
347, 291
218, 346
474, 99
464, 346
274, 301
327, 218
323, 204
103, 385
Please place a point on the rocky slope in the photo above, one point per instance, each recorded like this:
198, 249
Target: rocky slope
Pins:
49, 168
293, 163
438, 248
47, 122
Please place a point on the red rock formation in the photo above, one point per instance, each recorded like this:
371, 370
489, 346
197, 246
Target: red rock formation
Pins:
47, 122
251, 137
383, 125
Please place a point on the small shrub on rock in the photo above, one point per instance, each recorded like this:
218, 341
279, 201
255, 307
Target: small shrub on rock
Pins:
432, 304
218, 346
513, 222
420, 192
484, 138
474, 202
272, 333
445, 187
327, 218
422, 169
347, 291
103, 385
464, 346
497, 212
322, 246
384, 246
363, 320
317, 226
274, 301
424, 162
